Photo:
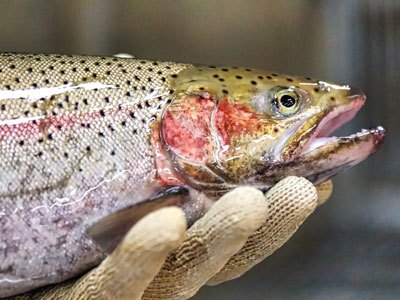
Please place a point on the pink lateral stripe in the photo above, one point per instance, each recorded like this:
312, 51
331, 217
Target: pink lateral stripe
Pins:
28, 127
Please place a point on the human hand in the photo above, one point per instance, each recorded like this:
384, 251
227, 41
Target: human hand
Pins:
160, 259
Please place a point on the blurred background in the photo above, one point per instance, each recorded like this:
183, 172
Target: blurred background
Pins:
349, 248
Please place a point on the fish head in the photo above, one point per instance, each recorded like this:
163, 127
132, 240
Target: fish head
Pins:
227, 127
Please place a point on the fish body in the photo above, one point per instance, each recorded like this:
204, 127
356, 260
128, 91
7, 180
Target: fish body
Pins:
83, 137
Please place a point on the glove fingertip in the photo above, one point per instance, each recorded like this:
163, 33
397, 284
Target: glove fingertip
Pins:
296, 189
165, 226
246, 203
324, 191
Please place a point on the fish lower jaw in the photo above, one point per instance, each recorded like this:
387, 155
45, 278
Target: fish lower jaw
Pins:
366, 141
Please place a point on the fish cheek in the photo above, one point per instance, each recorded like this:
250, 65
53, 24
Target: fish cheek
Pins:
240, 128
243, 160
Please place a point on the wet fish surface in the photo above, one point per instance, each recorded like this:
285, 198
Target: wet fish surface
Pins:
83, 138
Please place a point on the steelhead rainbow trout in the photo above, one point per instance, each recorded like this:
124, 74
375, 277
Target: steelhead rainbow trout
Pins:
89, 144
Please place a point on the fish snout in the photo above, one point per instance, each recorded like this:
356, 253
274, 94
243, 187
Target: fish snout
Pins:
356, 96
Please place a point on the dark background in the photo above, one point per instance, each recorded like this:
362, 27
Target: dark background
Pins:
348, 249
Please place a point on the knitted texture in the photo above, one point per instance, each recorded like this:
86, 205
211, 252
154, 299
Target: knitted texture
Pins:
290, 202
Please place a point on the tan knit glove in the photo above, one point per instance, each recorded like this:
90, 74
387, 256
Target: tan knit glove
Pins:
160, 259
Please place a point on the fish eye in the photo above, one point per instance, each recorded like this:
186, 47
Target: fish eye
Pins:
286, 102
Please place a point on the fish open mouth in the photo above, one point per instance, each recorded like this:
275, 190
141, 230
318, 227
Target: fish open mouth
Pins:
320, 138
322, 156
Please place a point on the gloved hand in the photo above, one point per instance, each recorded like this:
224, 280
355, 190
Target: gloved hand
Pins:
160, 259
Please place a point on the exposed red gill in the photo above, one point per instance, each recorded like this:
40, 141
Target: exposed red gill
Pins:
186, 128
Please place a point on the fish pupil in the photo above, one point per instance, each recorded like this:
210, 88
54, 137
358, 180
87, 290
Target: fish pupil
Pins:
287, 101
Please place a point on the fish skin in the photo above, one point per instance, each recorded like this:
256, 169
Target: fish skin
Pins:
57, 181
82, 137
